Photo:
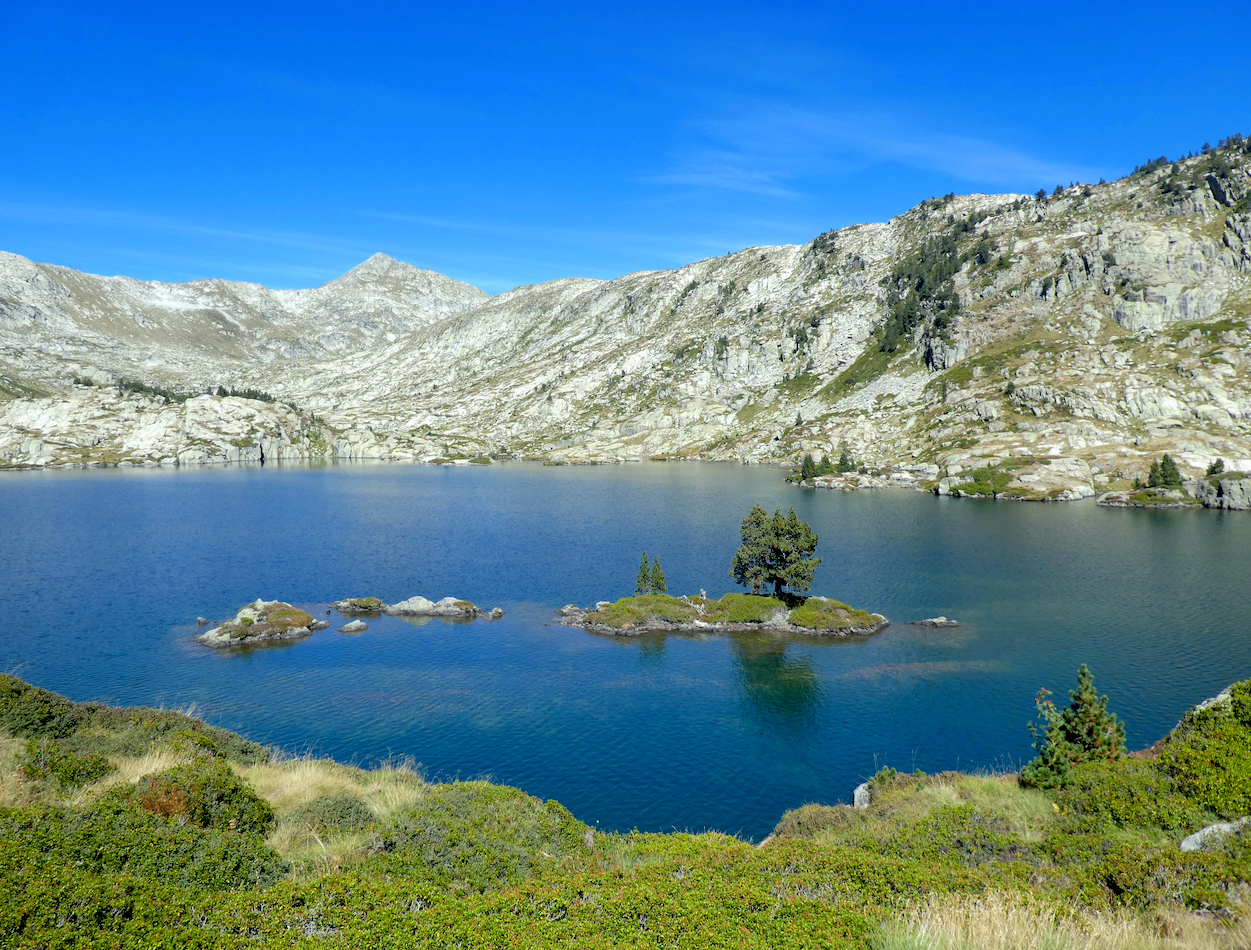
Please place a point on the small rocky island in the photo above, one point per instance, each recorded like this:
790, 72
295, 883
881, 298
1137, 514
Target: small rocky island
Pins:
631, 616
262, 621
271, 621
450, 607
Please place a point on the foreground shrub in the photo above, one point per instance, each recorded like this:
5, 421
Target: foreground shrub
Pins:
28, 712
114, 837
336, 813
46, 759
32, 713
1128, 793
206, 793
810, 821
479, 836
1209, 756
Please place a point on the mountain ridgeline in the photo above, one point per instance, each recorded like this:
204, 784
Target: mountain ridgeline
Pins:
1068, 338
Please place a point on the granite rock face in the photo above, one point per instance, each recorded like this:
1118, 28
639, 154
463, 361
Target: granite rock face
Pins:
1096, 329
1227, 492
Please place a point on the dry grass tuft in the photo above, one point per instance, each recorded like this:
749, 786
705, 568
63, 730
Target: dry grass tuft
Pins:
289, 785
1001, 921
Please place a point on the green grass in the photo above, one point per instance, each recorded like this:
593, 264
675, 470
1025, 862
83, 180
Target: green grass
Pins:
817, 614
656, 609
645, 609
183, 845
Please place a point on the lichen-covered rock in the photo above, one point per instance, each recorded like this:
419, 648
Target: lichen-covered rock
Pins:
359, 606
447, 607
1232, 491
261, 621
413, 607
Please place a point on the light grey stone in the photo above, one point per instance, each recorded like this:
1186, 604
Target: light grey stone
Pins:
861, 797
1213, 835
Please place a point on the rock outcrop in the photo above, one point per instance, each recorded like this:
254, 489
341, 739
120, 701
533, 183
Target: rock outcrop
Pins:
1066, 341
1230, 491
263, 621
447, 607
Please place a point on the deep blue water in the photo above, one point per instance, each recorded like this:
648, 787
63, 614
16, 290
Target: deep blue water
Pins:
102, 571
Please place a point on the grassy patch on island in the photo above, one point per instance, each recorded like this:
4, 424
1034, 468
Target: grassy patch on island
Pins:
819, 613
814, 613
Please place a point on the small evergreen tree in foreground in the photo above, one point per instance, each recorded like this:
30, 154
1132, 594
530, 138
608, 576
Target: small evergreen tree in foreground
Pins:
1084, 732
775, 551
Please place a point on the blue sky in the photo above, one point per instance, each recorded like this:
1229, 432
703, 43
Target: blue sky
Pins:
507, 144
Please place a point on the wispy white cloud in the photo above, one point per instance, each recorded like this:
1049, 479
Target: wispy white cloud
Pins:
37, 213
769, 148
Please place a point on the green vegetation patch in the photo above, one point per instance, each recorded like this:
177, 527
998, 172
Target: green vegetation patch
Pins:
205, 792
478, 865
29, 712
336, 813
478, 836
48, 759
113, 837
818, 613
643, 610
868, 366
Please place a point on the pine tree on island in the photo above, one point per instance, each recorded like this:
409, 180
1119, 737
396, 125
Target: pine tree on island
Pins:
775, 551
644, 581
657, 583
651, 579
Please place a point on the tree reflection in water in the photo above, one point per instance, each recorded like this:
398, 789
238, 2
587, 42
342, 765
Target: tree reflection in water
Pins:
777, 687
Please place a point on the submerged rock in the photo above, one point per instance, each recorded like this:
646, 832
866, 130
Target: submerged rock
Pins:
261, 621
936, 622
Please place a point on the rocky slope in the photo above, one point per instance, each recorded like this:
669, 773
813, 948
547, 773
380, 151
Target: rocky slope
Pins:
1067, 339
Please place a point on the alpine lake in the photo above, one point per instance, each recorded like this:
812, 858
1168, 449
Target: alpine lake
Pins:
105, 571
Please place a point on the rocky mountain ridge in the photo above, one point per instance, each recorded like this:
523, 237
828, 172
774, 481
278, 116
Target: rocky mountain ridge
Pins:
1067, 339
